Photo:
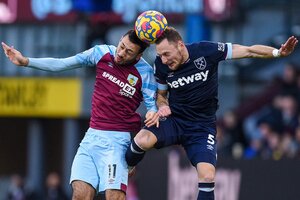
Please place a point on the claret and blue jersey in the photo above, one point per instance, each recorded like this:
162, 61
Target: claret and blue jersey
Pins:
193, 87
118, 90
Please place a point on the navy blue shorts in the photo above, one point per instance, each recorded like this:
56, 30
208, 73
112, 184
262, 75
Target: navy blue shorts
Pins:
197, 138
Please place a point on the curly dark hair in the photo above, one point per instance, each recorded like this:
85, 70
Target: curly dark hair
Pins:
134, 39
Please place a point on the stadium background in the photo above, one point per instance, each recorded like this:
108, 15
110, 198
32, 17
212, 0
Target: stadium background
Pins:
43, 116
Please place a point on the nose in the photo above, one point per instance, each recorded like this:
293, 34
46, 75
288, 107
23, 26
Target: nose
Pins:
164, 59
122, 53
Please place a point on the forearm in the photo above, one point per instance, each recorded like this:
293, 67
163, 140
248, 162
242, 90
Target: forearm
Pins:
261, 51
54, 64
254, 51
162, 100
149, 89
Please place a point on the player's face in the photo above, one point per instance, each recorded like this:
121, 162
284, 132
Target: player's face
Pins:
127, 52
171, 53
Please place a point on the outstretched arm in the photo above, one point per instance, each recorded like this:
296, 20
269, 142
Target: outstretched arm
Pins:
46, 64
261, 51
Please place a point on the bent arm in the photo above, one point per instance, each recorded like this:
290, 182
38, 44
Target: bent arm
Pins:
149, 88
162, 99
164, 109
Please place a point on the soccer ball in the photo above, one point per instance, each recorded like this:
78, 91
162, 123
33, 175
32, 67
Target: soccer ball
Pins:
150, 25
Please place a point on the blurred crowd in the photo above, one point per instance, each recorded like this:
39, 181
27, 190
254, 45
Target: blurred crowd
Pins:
268, 125
53, 191
18, 190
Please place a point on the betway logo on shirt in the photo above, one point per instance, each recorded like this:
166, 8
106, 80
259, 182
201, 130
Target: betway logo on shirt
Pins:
201, 76
126, 89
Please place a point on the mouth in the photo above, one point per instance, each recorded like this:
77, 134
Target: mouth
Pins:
171, 65
118, 59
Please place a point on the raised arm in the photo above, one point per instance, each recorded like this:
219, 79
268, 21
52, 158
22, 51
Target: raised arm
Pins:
262, 51
46, 64
87, 58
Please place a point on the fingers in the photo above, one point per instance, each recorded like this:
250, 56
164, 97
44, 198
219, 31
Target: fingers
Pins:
7, 49
291, 42
150, 123
288, 47
5, 46
152, 120
295, 42
162, 113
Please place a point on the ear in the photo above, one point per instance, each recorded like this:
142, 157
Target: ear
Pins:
180, 44
138, 56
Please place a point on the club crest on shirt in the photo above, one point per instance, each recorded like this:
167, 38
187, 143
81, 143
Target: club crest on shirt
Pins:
132, 79
221, 46
200, 63
110, 64
170, 74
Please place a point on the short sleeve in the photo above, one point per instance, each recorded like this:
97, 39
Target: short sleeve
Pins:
160, 74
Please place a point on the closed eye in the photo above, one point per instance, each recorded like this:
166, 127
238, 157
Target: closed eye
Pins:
128, 51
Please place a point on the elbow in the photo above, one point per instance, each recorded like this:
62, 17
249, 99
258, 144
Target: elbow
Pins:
54, 70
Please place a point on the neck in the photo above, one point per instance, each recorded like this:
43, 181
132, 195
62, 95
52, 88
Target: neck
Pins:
185, 55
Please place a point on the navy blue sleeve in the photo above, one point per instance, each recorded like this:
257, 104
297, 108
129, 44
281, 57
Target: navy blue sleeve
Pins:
215, 51
160, 74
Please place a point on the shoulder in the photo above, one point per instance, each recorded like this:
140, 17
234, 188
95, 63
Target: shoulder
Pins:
160, 68
217, 46
202, 45
94, 54
206, 48
104, 49
143, 66
158, 62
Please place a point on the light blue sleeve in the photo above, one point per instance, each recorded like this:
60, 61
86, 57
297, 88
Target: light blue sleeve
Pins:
229, 51
149, 85
92, 56
54, 64
87, 58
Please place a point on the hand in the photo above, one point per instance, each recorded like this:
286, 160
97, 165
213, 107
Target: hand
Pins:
288, 47
152, 119
164, 111
14, 55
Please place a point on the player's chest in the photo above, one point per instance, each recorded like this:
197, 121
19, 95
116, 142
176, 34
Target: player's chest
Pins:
120, 80
187, 76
